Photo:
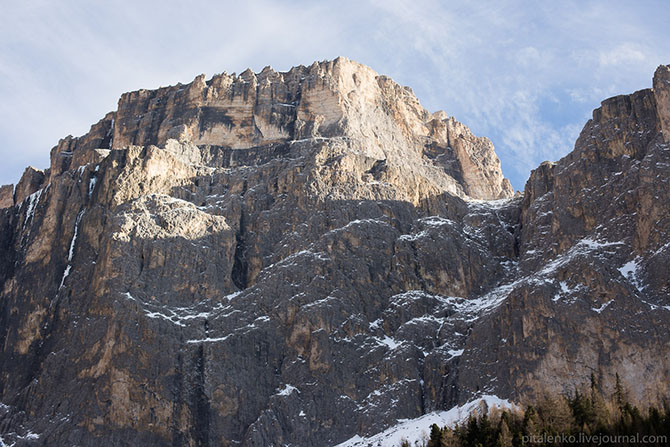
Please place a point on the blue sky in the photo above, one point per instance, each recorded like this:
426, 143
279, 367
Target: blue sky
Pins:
526, 74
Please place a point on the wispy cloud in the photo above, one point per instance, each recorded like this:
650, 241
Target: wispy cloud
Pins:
525, 74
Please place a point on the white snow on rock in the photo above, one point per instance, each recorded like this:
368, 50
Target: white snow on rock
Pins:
74, 236
455, 352
414, 236
191, 315
582, 248
388, 341
91, 185
288, 389
490, 204
70, 254
33, 200
630, 271
110, 133
416, 431
601, 308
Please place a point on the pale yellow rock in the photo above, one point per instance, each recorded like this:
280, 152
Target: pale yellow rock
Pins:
662, 94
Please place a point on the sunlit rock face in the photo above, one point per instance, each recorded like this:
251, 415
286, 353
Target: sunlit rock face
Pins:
297, 258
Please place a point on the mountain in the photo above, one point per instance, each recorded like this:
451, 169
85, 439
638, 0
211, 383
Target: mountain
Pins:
305, 258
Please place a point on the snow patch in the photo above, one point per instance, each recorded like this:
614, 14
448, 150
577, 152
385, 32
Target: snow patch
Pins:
436, 221
564, 287
565, 291
66, 273
630, 271
417, 430
287, 390
91, 185
33, 200
74, 236
110, 134
601, 308
171, 319
232, 295
375, 324
388, 341
70, 254
182, 316
207, 340
455, 352
581, 248
414, 236
490, 204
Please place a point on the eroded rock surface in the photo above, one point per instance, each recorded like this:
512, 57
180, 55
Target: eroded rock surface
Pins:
295, 258
6, 196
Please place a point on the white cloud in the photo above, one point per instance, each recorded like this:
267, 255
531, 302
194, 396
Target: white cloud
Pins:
626, 53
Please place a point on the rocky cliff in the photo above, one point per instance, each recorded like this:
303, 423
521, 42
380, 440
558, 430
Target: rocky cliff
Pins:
298, 258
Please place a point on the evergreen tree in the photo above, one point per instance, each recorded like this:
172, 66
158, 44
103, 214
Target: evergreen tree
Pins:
486, 433
582, 411
471, 432
531, 423
588, 412
555, 414
435, 436
600, 414
619, 393
449, 438
505, 437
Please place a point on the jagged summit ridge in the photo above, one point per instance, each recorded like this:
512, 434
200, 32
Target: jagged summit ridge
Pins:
367, 117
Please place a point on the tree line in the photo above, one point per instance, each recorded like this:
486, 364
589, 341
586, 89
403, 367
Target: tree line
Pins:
585, 418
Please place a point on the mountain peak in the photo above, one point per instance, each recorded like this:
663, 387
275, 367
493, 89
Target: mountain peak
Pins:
661, 87
341, 100
295, 258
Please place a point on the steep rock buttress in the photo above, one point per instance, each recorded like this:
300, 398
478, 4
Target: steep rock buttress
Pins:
296, 258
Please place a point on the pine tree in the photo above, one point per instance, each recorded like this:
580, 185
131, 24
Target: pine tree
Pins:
619, 393
601, 417
471, 432
435, 436
449, 438
555, 414
582, 410
531, 425
486, 434
504, 435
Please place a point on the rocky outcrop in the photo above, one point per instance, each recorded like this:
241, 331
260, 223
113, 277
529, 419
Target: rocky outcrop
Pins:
374, 119
592, 249
662, 96
6, 196
31, 180
295, 258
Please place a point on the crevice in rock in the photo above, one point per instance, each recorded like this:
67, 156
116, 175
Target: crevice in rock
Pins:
178, 402
240, 272
200, 401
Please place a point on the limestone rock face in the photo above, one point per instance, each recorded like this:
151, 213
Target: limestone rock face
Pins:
370, 118
31, 180
662, 96
296, 258
6, 196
